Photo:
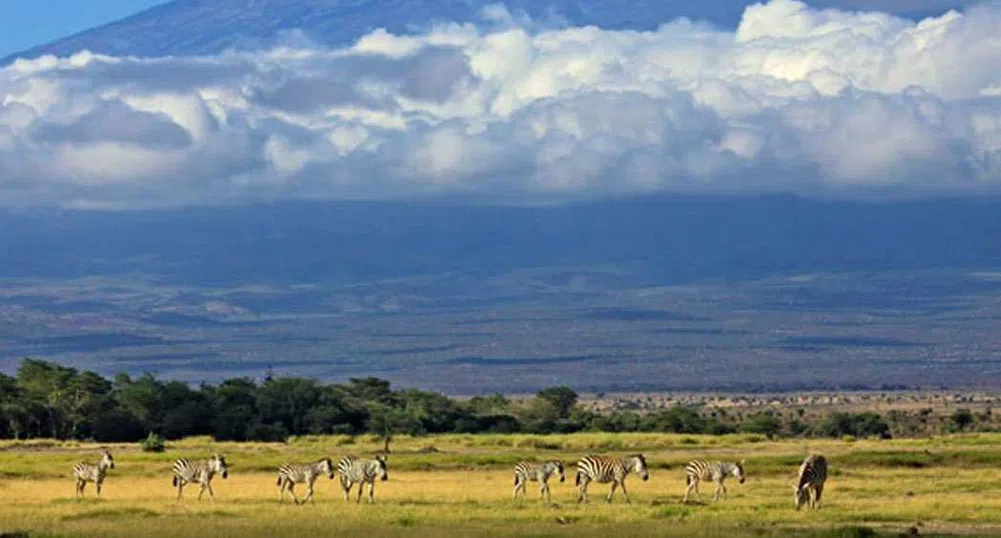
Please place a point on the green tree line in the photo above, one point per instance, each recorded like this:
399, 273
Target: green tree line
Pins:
48, 400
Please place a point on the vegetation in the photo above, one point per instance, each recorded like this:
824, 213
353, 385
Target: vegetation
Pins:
877, 487
46, 400
153, 443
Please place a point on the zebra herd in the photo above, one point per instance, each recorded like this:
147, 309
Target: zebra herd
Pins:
360, 471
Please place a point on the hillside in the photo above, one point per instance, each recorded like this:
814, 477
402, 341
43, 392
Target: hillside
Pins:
198, 27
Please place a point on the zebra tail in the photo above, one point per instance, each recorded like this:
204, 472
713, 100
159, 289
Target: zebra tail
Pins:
688, 480
577, 479
516, 480
174, 481
279, 482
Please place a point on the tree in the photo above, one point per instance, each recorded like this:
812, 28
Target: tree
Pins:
234, 403
961, 419
370, 389
678, 419
763, 423
336, 413
47, 383
563, 399
143, 398
854, 424
287, 401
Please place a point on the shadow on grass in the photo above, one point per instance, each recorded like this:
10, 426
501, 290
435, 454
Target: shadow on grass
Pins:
112, 513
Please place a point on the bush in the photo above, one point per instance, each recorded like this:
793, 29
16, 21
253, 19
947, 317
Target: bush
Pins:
153, 443
859, 425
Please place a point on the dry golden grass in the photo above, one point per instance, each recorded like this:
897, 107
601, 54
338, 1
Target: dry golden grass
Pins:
947, 485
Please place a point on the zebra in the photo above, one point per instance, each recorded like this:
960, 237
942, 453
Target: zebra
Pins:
525, 472
89, 472
291, 474
603, 469
199, 472
717, 471
354, 470
812, 475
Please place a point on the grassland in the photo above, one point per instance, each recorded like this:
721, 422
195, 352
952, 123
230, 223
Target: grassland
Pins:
461, 485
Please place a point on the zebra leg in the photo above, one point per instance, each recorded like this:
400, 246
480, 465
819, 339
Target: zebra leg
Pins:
79, 487
98, 484
291, 490
346, 486
624, 492
180, 488
361, 488
281, 490
819, 489
582, 494
717, 491
517, 486
309, 493
611, 492
208, 486
371, 492
201, 492
544, 492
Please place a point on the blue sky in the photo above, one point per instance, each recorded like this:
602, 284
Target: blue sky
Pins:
26, 23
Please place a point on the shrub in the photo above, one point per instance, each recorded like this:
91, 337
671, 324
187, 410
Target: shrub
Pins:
153, 443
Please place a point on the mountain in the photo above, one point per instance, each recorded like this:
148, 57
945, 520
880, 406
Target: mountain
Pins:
199, 27
667, 240
692, 293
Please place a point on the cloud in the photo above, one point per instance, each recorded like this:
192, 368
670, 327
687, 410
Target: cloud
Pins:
795, 99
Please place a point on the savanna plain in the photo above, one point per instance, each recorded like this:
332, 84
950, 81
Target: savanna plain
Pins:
461, 485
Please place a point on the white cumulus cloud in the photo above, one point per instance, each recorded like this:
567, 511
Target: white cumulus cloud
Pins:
795, 99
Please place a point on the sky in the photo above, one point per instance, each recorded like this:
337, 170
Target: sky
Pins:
795, 99
26, 23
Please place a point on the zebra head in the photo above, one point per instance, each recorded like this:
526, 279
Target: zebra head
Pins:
107, 461
558, 464
381, 470
738, 471
802, 494
637, 465
218, 465
327, 466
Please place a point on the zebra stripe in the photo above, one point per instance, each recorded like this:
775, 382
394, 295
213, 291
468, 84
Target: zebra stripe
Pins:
525, 472
199, 472
812, 475
717, 471
291, 474
93, 472
359, 471
603, 469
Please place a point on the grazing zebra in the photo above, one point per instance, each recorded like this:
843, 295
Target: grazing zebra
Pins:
812, 475
603, 469
199, 472
291, 474
525, 472
717, 471
89, 472
359, 471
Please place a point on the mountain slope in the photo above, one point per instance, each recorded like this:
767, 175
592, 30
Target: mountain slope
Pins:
198, 27
663, 240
